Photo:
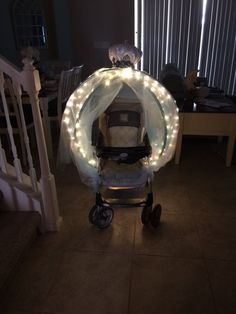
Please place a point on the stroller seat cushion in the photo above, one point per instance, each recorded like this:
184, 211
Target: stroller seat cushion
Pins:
123, 175
124, 136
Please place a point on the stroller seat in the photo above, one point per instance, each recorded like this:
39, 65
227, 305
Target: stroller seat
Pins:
121, 157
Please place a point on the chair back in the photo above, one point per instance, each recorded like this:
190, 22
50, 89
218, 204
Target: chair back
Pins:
77, 71
53, 68
65, 89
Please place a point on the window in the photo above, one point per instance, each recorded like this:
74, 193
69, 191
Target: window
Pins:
192, 34
29, 24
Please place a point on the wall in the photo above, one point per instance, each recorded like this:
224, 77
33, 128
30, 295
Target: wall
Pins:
63, 26
58, 28
84, 30
7, 42
95, 26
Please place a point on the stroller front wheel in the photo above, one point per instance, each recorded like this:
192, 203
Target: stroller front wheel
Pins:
101, 216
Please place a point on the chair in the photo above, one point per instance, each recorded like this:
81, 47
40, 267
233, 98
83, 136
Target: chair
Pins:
14, 116
53, 68
65, 89
77, 71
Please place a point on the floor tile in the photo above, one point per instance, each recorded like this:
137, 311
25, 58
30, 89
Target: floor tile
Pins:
172, 196
119, 237
176, 236
90, 283
217, 236
32, 281
170, 286
223, 281
213, 198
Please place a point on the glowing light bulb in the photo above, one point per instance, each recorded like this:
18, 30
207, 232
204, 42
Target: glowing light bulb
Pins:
66, 120
69, 103
92, 162
127, 73
138, 75
66, 111
107, 82
79, 105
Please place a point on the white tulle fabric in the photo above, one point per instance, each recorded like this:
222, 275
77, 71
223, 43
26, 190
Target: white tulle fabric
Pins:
94, 96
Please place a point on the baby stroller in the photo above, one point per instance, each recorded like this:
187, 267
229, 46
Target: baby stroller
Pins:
118, 139
123, 150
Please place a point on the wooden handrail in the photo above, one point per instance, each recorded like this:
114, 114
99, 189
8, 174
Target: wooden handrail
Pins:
9, 68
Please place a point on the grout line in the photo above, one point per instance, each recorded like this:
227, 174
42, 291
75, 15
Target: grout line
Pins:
132, 267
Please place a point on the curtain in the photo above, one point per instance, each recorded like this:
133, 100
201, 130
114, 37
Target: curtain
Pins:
169, 31
218, 62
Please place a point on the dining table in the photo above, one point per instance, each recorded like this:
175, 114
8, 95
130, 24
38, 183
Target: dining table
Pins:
214, 116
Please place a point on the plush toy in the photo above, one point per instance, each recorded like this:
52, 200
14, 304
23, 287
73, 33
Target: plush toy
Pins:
197, 93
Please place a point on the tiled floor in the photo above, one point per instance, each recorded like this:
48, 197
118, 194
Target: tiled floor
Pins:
187, 265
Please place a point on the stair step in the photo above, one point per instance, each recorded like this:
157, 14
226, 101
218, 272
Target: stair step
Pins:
18, 229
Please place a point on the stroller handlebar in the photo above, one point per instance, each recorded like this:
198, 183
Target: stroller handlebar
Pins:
127, 155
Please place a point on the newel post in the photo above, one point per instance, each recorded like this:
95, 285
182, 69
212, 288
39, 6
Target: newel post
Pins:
31, 83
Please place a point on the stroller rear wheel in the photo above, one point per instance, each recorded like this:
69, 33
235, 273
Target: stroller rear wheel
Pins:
155, 215
101, 216
151, 215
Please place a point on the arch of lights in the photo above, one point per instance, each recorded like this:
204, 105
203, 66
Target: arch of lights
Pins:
94, 96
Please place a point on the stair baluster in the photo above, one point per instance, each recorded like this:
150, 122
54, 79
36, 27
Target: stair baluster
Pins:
16, 161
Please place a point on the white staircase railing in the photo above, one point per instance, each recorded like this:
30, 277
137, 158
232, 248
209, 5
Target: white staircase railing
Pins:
29, 80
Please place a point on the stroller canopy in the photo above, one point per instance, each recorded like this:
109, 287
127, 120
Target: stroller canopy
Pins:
95, 95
